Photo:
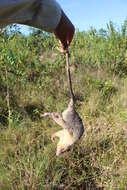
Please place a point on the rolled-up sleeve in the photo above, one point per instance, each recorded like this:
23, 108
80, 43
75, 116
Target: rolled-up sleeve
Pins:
43, 14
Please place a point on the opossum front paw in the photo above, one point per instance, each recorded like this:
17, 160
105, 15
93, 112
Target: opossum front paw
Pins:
53, 136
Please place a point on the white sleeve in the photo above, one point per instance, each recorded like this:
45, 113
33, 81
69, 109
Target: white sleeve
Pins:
43, 14
47, 16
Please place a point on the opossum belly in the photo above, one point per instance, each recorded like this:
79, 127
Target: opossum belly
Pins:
67, 114
66, 138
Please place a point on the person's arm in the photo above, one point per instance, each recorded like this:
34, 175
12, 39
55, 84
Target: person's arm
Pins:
50, 17
43, 14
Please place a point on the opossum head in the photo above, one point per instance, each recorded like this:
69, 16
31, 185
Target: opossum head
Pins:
61, 148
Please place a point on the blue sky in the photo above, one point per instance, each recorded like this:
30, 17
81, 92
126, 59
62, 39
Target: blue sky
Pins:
96, 13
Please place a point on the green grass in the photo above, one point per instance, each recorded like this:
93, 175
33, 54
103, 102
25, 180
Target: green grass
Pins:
98, 160
37, 83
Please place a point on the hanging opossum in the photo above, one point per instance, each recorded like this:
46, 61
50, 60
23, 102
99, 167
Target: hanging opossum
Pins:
69, 120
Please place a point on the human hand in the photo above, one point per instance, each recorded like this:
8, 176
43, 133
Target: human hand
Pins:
64, 32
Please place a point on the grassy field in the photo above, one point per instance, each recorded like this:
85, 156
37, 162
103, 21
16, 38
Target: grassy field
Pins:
33, 80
